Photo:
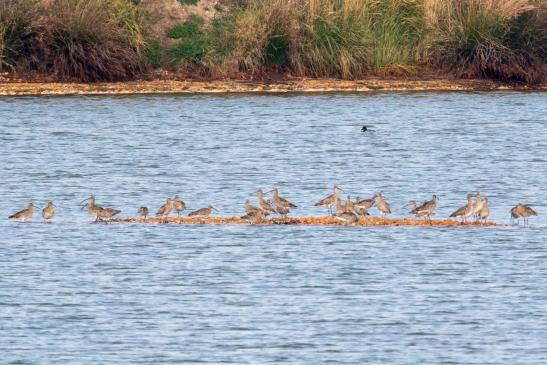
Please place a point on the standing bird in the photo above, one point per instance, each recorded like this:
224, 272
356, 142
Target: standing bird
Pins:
24, 214
362, 206
179, 205
97, 211
340, 208
264, 205
522, 211
484, 213
249, 208
426, 209
49, 211
349, 206
203, 212
382, 205
466, 211
143, 212
330, 200
166, 208
282, 205
477, 206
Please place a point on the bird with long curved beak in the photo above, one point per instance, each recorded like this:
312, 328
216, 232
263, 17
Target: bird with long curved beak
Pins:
282, 205
330, 200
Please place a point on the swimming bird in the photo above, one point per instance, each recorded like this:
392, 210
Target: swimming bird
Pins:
426, 209
166, 208
366, 129
264, 205
203, 212
348, 218
522, 211
49, 211
249, 208
382, 205
485, 211
330, 200
179, 205
466, 211
24, 214
143, 212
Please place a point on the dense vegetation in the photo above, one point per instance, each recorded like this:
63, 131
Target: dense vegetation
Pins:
95, 40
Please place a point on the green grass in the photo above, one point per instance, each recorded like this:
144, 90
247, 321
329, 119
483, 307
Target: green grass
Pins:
188, 2
93, 40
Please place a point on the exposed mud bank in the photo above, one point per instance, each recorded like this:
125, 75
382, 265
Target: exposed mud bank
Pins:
311, 221
229, 86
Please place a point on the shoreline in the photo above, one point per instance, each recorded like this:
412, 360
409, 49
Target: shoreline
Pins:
158, 86
310, 221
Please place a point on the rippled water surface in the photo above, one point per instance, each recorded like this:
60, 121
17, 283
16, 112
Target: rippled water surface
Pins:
72, 292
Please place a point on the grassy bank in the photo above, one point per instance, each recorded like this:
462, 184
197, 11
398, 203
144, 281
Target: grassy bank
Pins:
93, 40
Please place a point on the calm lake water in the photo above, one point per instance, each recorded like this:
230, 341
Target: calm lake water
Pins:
72, 292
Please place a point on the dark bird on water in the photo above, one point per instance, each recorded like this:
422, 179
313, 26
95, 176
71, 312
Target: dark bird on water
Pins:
366, 129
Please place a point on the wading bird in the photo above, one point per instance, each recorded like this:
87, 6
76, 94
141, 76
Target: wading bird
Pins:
24, 214
49, 211
522, 211
466, 211
382, 205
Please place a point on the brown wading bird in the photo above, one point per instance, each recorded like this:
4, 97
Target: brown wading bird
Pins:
24, 214
349, 206
264, 205
522, 211
340, 208
100, 213
203, 212
282, 205
49, 211
362, 206
348, 218
253, 217
426, 209
179, 205
165, 209
484, 213
466, 211
477, 206
330, 200
382, 205
249, 208
143, 212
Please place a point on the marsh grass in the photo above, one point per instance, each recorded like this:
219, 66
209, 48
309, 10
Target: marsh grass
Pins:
94, 40
91, 40
500, 39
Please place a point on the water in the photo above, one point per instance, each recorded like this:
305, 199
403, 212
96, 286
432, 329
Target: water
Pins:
78, 293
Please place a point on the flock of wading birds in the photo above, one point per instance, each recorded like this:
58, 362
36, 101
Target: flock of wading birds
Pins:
347, 212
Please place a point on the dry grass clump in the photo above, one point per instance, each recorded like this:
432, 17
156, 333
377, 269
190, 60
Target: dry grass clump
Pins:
87, 40
500, 39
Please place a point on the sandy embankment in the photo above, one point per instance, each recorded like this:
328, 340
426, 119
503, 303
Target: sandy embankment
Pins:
16, 88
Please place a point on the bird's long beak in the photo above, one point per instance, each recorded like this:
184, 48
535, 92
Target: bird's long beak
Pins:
86, 199
269, 191
216, 210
